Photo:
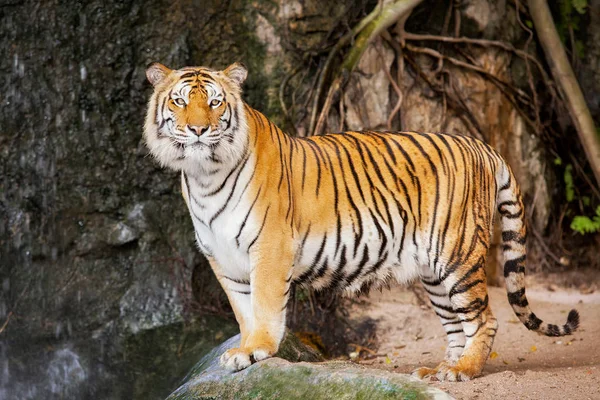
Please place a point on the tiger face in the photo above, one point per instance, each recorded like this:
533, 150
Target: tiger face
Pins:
195, 116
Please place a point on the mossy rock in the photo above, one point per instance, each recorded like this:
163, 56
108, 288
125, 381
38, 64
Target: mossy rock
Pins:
302, 378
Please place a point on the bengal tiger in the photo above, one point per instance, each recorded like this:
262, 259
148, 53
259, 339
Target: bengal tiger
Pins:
340, 211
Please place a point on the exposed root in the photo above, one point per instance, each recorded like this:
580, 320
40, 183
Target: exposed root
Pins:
379, 20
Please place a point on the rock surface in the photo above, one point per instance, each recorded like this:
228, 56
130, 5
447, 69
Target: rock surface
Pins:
96, 246
278, 378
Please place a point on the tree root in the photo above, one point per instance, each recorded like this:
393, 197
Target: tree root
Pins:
369, 28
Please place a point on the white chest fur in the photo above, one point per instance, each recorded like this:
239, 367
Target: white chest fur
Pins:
221, 210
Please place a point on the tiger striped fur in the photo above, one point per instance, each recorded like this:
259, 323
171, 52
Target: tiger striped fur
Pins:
339, 211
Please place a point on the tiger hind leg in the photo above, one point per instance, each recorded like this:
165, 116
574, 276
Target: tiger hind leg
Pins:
467, 292
452, 324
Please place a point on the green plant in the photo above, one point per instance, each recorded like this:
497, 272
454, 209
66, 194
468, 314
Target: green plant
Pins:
569, 20
580, 223
569, 185
584, 224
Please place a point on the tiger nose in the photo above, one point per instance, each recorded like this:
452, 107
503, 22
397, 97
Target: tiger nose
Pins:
198, 130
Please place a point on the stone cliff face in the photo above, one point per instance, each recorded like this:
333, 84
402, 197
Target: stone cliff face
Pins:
95, 243
96, 248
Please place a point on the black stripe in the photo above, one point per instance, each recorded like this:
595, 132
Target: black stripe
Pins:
237, 238
361, 265
321, 271
515, 265
313, 147
432, 293
533, 322
449, 309
477, 305
553, 330
453, 322
512, 236
380, 232
303, 165
459, 284
518, 298
240, 281
217, 190
377, 265
300, 250
260, 230
308, 273
466, 287
338, 275
214, 217
507, 184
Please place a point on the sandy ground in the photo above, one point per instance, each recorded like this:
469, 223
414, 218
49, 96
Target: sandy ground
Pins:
523, 364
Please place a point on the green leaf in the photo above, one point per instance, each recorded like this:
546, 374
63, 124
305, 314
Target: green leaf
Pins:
586, 200
529, 24
580, 5
570, 187
566, 7
558, 160
583, 224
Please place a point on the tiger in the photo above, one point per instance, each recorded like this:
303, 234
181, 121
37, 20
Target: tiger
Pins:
338, 212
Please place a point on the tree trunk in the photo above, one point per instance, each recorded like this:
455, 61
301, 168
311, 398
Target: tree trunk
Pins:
567, 83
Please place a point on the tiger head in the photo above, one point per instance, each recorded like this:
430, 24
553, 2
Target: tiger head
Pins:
195, 116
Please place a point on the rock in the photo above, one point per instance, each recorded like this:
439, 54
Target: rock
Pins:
120, 234
366, 108
95, 235
291, 349
283, 377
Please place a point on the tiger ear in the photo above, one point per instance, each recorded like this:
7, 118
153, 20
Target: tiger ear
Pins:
156, 72
236, 72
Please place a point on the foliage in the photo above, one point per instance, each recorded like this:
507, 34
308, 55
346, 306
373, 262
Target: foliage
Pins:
569, 22
584, 224
569, 185
579, 5
580, 223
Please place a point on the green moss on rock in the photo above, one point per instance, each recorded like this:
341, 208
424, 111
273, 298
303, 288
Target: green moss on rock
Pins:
278, 378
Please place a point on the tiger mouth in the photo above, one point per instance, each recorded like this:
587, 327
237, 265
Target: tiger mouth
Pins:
191, 146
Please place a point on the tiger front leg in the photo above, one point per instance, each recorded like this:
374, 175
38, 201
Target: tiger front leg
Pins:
238, 294
270, 282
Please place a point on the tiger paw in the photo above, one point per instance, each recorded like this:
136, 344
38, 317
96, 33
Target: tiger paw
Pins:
424, 372
453, 374
444, 372
235, 359
241, 358
261, 346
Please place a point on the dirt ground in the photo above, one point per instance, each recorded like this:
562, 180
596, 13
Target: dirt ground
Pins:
523, 364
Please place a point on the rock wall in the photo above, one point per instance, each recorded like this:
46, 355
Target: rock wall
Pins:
95, 241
